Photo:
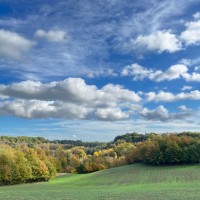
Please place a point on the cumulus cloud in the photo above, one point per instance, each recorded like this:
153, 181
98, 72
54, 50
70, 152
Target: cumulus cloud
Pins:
191, 34
52, 35
13, 45
194, 76
173, 72
139, 73
165, 41
74, 99
194, 62
71, 98
162, 114
56, 109
43, 109
120, 94
159, 41
111, 114
183, 108
69, 90
170, 97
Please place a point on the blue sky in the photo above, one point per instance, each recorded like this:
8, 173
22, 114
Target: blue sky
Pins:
92, 70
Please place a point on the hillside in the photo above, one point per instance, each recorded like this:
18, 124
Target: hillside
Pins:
27, 159
128, 182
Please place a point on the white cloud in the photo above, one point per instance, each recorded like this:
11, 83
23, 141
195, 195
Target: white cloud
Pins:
185, 61
155, 15
159, 41
134, 108
69, 90
71, 98
173, 72
12, 45
139, 73
119, 93
170, 97
162, 114
43, 109
186, 87
161, 96
56, 109
192, 32
165, 41
194, 62
183, 108
52, 35
111, 114
192, 77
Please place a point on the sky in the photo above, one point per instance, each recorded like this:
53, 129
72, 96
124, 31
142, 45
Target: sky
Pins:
92, 70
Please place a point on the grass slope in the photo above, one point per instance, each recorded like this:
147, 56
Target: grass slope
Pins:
128, 182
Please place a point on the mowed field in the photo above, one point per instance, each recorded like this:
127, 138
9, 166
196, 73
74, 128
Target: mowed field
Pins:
128, 182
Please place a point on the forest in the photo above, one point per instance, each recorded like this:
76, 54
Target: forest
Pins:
33, 159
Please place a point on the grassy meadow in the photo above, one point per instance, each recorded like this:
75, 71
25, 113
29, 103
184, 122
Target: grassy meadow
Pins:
128, 182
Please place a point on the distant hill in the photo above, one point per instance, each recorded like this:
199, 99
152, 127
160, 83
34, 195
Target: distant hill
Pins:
128, 137
136, 137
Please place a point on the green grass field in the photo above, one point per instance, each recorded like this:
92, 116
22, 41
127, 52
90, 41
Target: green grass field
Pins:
128, 182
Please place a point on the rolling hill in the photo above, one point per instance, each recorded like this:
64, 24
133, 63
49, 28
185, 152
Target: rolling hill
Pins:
128, 182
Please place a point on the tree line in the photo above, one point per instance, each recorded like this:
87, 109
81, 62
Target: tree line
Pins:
24, 164
27, 159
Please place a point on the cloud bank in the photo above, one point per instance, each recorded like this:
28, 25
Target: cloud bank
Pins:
71, 98
176, 71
